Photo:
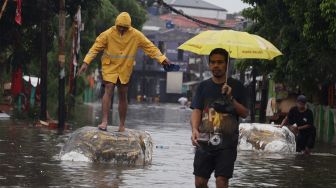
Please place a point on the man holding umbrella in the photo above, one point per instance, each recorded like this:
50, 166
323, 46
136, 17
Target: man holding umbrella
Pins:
217, 105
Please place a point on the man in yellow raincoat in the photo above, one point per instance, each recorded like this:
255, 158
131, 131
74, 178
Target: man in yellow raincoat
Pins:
119, 45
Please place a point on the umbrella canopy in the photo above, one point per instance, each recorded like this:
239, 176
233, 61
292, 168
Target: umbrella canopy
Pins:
240, 45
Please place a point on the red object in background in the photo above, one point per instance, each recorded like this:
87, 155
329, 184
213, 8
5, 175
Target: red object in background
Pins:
18, 18
17, 82
91, 81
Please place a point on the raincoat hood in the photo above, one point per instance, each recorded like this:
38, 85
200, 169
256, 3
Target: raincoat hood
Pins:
123, 19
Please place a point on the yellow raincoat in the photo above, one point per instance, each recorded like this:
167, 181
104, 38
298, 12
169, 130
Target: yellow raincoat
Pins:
119, 51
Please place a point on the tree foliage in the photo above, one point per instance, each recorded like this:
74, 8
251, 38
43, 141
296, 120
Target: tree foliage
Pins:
305, 33
21, 44
97, 15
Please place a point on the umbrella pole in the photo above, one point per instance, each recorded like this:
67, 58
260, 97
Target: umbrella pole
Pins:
227, 69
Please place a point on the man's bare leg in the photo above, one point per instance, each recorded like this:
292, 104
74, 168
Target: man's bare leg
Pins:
122, 91
201, 182
307, 151
106, 103
222, 182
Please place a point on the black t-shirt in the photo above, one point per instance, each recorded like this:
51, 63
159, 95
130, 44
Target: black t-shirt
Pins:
301, 118
208, 91
214, 121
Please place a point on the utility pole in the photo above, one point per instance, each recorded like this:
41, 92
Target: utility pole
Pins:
61, 60
201, 66
44, 65
253, 93
264, 97
76, 28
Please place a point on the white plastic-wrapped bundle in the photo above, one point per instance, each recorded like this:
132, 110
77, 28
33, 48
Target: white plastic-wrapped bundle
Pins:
266, 137
131, 147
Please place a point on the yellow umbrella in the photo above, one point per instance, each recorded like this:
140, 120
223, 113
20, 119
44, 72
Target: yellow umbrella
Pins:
240, 45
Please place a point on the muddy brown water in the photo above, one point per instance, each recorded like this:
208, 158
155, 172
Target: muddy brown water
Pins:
29, 157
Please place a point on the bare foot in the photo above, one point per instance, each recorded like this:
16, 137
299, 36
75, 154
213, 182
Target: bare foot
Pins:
121, 128
103, 125
307, 151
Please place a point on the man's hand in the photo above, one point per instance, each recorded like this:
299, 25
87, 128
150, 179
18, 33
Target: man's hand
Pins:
194, 137
226, 89
294, 129
82, 69
166, 62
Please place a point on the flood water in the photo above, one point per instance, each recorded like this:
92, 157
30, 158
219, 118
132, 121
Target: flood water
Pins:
29, 157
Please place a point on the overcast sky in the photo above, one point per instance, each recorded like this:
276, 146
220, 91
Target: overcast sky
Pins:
230, 5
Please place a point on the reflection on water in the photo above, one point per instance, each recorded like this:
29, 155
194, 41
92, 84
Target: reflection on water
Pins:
29, 157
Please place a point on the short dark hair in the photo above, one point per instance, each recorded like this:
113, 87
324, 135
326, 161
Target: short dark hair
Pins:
220, 51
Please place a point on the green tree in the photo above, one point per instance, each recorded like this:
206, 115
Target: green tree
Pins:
25, 40
305, 32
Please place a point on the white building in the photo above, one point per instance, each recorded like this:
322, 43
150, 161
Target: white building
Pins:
198, 8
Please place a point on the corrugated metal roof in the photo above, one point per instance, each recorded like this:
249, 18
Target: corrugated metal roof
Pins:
194, 4
183, 22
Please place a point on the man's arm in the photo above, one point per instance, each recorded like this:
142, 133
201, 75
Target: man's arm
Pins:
82, 69
284, 122
310, 121
241, 110
98, 46
306, 126
195, 121
151, 50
